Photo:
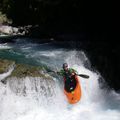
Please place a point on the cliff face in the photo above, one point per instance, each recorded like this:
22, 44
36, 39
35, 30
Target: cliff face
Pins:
106, 58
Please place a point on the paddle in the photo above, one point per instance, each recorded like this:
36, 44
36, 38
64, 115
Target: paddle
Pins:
81, 75
84, 76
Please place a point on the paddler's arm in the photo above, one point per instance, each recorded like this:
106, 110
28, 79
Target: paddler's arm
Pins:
61, 72
74, 72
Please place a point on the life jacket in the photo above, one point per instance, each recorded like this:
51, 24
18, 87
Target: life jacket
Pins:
69, 82
67, 75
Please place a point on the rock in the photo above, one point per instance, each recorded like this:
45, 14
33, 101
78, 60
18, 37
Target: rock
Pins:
5, 65
6, 30
9, 30
22, 70
26, 78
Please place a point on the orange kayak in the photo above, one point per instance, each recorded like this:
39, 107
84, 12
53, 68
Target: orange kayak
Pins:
72, 89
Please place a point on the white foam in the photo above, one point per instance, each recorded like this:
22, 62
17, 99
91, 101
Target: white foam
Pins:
4, 46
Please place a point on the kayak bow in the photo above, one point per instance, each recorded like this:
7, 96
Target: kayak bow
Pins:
72, 90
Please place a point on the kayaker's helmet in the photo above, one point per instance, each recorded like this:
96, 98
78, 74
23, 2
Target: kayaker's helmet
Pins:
65, 65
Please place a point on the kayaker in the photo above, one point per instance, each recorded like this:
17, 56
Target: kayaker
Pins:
69, 77
67, 72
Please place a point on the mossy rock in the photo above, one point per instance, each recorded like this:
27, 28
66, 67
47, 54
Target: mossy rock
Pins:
22, 70
5, 65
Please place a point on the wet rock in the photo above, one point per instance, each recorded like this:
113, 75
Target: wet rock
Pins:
11, 31
25, 78
8, 30
22, 71
5, 65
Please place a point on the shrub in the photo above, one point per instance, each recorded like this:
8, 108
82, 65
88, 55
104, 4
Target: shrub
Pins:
4, 19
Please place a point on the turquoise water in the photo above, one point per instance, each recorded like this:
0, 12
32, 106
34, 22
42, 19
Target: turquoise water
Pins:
28, 52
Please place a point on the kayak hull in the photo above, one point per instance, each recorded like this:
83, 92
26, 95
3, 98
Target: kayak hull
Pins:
75, 95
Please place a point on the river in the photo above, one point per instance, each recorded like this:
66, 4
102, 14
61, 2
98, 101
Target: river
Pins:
96, 103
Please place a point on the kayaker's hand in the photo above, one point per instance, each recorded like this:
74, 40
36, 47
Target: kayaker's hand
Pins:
72, 74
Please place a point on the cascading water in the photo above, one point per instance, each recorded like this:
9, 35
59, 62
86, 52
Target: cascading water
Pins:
36, 99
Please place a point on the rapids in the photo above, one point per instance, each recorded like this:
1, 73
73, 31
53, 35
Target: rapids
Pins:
95, 104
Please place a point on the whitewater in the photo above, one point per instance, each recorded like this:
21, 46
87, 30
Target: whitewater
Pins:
96, 103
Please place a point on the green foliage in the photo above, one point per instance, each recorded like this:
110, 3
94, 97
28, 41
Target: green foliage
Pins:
5, 8
4, 19
6, 5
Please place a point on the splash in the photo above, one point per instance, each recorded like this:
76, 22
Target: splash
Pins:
6, 74
5, 46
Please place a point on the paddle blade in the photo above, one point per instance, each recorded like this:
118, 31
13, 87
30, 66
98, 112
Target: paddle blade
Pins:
84, 76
